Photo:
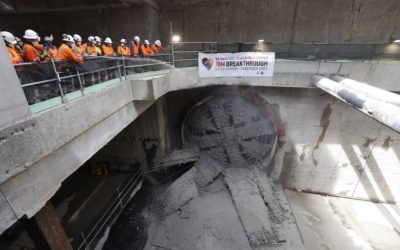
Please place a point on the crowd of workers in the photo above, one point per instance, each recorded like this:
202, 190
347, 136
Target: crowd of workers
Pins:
72, 48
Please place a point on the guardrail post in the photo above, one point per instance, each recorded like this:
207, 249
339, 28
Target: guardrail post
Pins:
119, 72
85, 241
80, 81
124, 66
58, 81
119, 198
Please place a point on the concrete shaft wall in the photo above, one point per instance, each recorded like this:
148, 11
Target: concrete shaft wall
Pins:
297, 21
42, 151
116, 23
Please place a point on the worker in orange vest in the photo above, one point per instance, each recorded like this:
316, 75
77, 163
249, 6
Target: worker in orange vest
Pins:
146, 50
39, 46
107, 47
122, 50
49, 47
91, 47
156, 46
66, 51
12, 51
31, 54
135, 48
78, 45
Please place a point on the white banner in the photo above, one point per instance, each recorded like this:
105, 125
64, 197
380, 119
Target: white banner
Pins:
236, 64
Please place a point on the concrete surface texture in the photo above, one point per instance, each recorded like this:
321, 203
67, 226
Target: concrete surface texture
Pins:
13, 104
329, 147
285, 21
116, 23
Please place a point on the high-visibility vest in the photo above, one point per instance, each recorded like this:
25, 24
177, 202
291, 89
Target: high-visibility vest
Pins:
30, 53
14, 56
146, 50
65, 53
123, 51
156, 48
108, 50
136, 49
91, 50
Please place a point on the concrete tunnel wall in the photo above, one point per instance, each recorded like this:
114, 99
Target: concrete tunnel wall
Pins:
116, 23
287, 21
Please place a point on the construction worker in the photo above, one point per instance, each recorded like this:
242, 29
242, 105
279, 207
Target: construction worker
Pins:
65, 51
31, 54
10, 41
19, 46
156, 46
107, 47
39, 46
135, 48
91, 47
98, 45
78, 45
146, 50
122, 50
49, 47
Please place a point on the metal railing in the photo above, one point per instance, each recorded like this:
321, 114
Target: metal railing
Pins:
47, 80
117, 203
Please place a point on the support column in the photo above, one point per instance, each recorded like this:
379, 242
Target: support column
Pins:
46, 230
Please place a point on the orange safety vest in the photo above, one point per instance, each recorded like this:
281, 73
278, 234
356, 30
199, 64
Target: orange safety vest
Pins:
52, 53
123, 51
30, 53
66, 54
91, 50
39, 47
107, 50
135, 51
15, 57
80, 50
156, 48
146, 50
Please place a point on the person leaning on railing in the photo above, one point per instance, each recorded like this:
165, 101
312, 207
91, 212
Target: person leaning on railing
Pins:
31, 54
146, 49
10, 41
156, 47
91, 47
123, 50
107, 47
135, 47
66, 51
49, 47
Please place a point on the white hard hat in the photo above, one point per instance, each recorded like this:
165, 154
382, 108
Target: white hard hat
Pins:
97, 39
136, 39
77, 38
9, 37
146, 42
30, 34
122, 41
158, 43
48, 38
67, 38
108, 40
91, 39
